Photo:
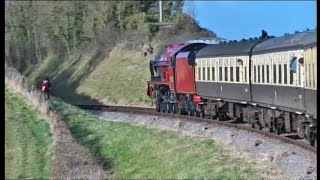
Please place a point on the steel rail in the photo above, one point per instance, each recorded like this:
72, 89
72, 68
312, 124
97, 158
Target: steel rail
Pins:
151, 111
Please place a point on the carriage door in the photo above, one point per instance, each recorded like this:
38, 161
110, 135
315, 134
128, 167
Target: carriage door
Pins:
301, 80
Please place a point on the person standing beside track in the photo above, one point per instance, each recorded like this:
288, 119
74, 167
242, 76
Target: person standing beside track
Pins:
45, 88
150, 49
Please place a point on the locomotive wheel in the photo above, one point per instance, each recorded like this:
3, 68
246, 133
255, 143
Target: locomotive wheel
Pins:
175, 109
279, 125
158, 107
301, 130
181, 111
278, 130
271, 125
171, 108
222, 116
163, 108
260, 126
191, 113
308, 133
312, 139
253, 125
201, 114
195, 112
167, 107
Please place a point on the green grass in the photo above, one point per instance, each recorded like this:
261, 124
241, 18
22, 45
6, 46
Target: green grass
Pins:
28, 143
48, 68
121, 77
65, 74
136, 152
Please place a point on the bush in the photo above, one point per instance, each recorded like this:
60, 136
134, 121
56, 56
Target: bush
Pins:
153, 28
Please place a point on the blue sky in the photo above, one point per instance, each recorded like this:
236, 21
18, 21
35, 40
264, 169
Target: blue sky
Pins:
235, 20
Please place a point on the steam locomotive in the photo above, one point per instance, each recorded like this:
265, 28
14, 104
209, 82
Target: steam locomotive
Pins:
269, 83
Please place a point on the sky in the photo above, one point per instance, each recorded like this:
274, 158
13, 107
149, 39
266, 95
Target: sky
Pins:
235, 20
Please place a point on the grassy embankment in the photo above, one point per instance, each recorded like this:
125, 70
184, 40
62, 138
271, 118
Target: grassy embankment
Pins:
118, 76
136, 152
91, 56
115, 73
28, 143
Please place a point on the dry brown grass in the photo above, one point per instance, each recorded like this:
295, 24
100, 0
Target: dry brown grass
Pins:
71, 160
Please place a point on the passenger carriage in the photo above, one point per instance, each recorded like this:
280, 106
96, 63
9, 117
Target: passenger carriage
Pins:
267, 82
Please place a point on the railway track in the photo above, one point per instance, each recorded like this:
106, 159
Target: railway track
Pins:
151, 111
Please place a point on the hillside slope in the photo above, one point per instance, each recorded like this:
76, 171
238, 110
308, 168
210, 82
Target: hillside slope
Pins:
111, 77
115, 74
94, 57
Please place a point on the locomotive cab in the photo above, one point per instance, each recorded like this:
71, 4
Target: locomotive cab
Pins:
161, 70
172, 75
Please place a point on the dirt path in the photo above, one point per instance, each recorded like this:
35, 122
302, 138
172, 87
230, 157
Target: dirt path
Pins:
71, 160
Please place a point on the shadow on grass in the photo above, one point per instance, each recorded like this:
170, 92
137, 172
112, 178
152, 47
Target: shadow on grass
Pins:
92, 144
64, 88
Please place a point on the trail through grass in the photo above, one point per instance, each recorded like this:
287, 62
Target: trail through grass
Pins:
136, 152
28, 143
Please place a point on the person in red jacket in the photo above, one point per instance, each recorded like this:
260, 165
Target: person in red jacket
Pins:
150, 49
45, 87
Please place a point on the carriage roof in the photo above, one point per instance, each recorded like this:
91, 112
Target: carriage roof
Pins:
227, 49
288, 42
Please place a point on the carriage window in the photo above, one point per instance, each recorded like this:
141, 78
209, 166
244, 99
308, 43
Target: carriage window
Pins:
274, 73
237, 74
220, 73
226, 73
299, 77
254, 74
280, 75
285, 74
309, 75
204, 74
231, 74
267, 71
208, 74
306, 75
258, 74
313, 77
314, 51
312, 74
245, 74
291, 77
262, 67
199, 74
213, 75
